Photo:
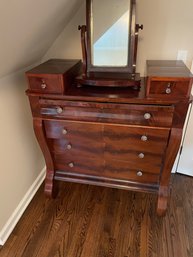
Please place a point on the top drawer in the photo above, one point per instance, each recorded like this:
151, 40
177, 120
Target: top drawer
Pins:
49, 84
167, 88
146, 115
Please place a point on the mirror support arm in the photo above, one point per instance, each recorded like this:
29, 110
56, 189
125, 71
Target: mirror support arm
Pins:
83, 30
137, 28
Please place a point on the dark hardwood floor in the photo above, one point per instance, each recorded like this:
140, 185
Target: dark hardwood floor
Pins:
90, 221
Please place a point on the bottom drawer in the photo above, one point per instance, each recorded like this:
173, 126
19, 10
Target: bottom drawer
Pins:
112, 169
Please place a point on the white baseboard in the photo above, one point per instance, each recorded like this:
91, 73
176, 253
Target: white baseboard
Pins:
16, 215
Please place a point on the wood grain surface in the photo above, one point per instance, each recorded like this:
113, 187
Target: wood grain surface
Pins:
90, 221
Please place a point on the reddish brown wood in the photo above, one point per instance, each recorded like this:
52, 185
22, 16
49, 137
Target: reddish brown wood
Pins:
100, 79
53, 76
159, 116
83, 30
92, 135
168, 79
39, 131
49, 84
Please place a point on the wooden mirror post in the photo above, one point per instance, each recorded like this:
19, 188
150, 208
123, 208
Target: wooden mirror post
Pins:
111, 76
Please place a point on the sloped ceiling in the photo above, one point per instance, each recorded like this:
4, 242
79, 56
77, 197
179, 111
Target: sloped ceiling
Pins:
28, 28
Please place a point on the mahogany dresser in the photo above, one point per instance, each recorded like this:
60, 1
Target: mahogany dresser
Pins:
114, 137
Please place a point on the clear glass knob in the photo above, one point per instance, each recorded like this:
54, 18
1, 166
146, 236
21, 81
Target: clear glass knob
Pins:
144, 138
71, 164
59, 110
43, 85
64, 131
139, 173
168, 91
147, 116
69, 147
141, 155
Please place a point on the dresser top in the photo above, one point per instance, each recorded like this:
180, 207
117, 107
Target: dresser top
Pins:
163, 68
54, 66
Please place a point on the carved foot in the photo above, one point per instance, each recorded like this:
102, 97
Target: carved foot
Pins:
162, 202
50, 187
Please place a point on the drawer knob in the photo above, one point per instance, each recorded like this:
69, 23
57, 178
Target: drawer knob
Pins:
141, 155
43, 85
147, 116
69, 146
59, 110
64, 131
71, 164
168, 91
144, 138
139, 173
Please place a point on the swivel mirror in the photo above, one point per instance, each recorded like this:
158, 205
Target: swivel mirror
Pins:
109, 43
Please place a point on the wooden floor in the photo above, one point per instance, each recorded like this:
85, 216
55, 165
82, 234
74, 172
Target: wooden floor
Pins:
90, 221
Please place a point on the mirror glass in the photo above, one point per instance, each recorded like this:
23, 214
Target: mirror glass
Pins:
110, 25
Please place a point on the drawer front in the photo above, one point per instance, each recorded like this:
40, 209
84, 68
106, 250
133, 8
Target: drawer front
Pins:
75, 138
119, 140
110, 169
145, 115
139, 146
48, 84
179, 89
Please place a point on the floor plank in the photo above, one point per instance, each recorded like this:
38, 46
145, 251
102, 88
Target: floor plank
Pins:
90, 221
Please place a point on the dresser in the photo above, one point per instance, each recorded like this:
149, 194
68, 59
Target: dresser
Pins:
122, 138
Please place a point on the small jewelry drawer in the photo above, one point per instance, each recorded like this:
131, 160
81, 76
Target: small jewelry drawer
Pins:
145, 115
48, 84
168, 88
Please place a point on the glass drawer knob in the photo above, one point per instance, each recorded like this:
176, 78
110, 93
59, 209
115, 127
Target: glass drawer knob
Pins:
59, 110
64, 131
141, 155
147, 116
71, 164
139, 173
144, 138
168, 91
69, 147
43, 85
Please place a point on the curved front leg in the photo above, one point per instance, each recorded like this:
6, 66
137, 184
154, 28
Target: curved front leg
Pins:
162, 201
40, 135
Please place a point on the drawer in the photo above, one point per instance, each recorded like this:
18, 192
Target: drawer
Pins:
120, 139
145, 115
169, 88
107, 169
136, 145
91, 133
75, 138
48, 84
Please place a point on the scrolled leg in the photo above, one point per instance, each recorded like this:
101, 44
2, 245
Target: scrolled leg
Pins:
162, 201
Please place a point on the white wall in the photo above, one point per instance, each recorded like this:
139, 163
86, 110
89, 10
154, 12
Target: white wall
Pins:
28, 28
21, 160
167, 28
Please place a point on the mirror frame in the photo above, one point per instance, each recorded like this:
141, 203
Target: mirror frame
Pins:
132, 47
